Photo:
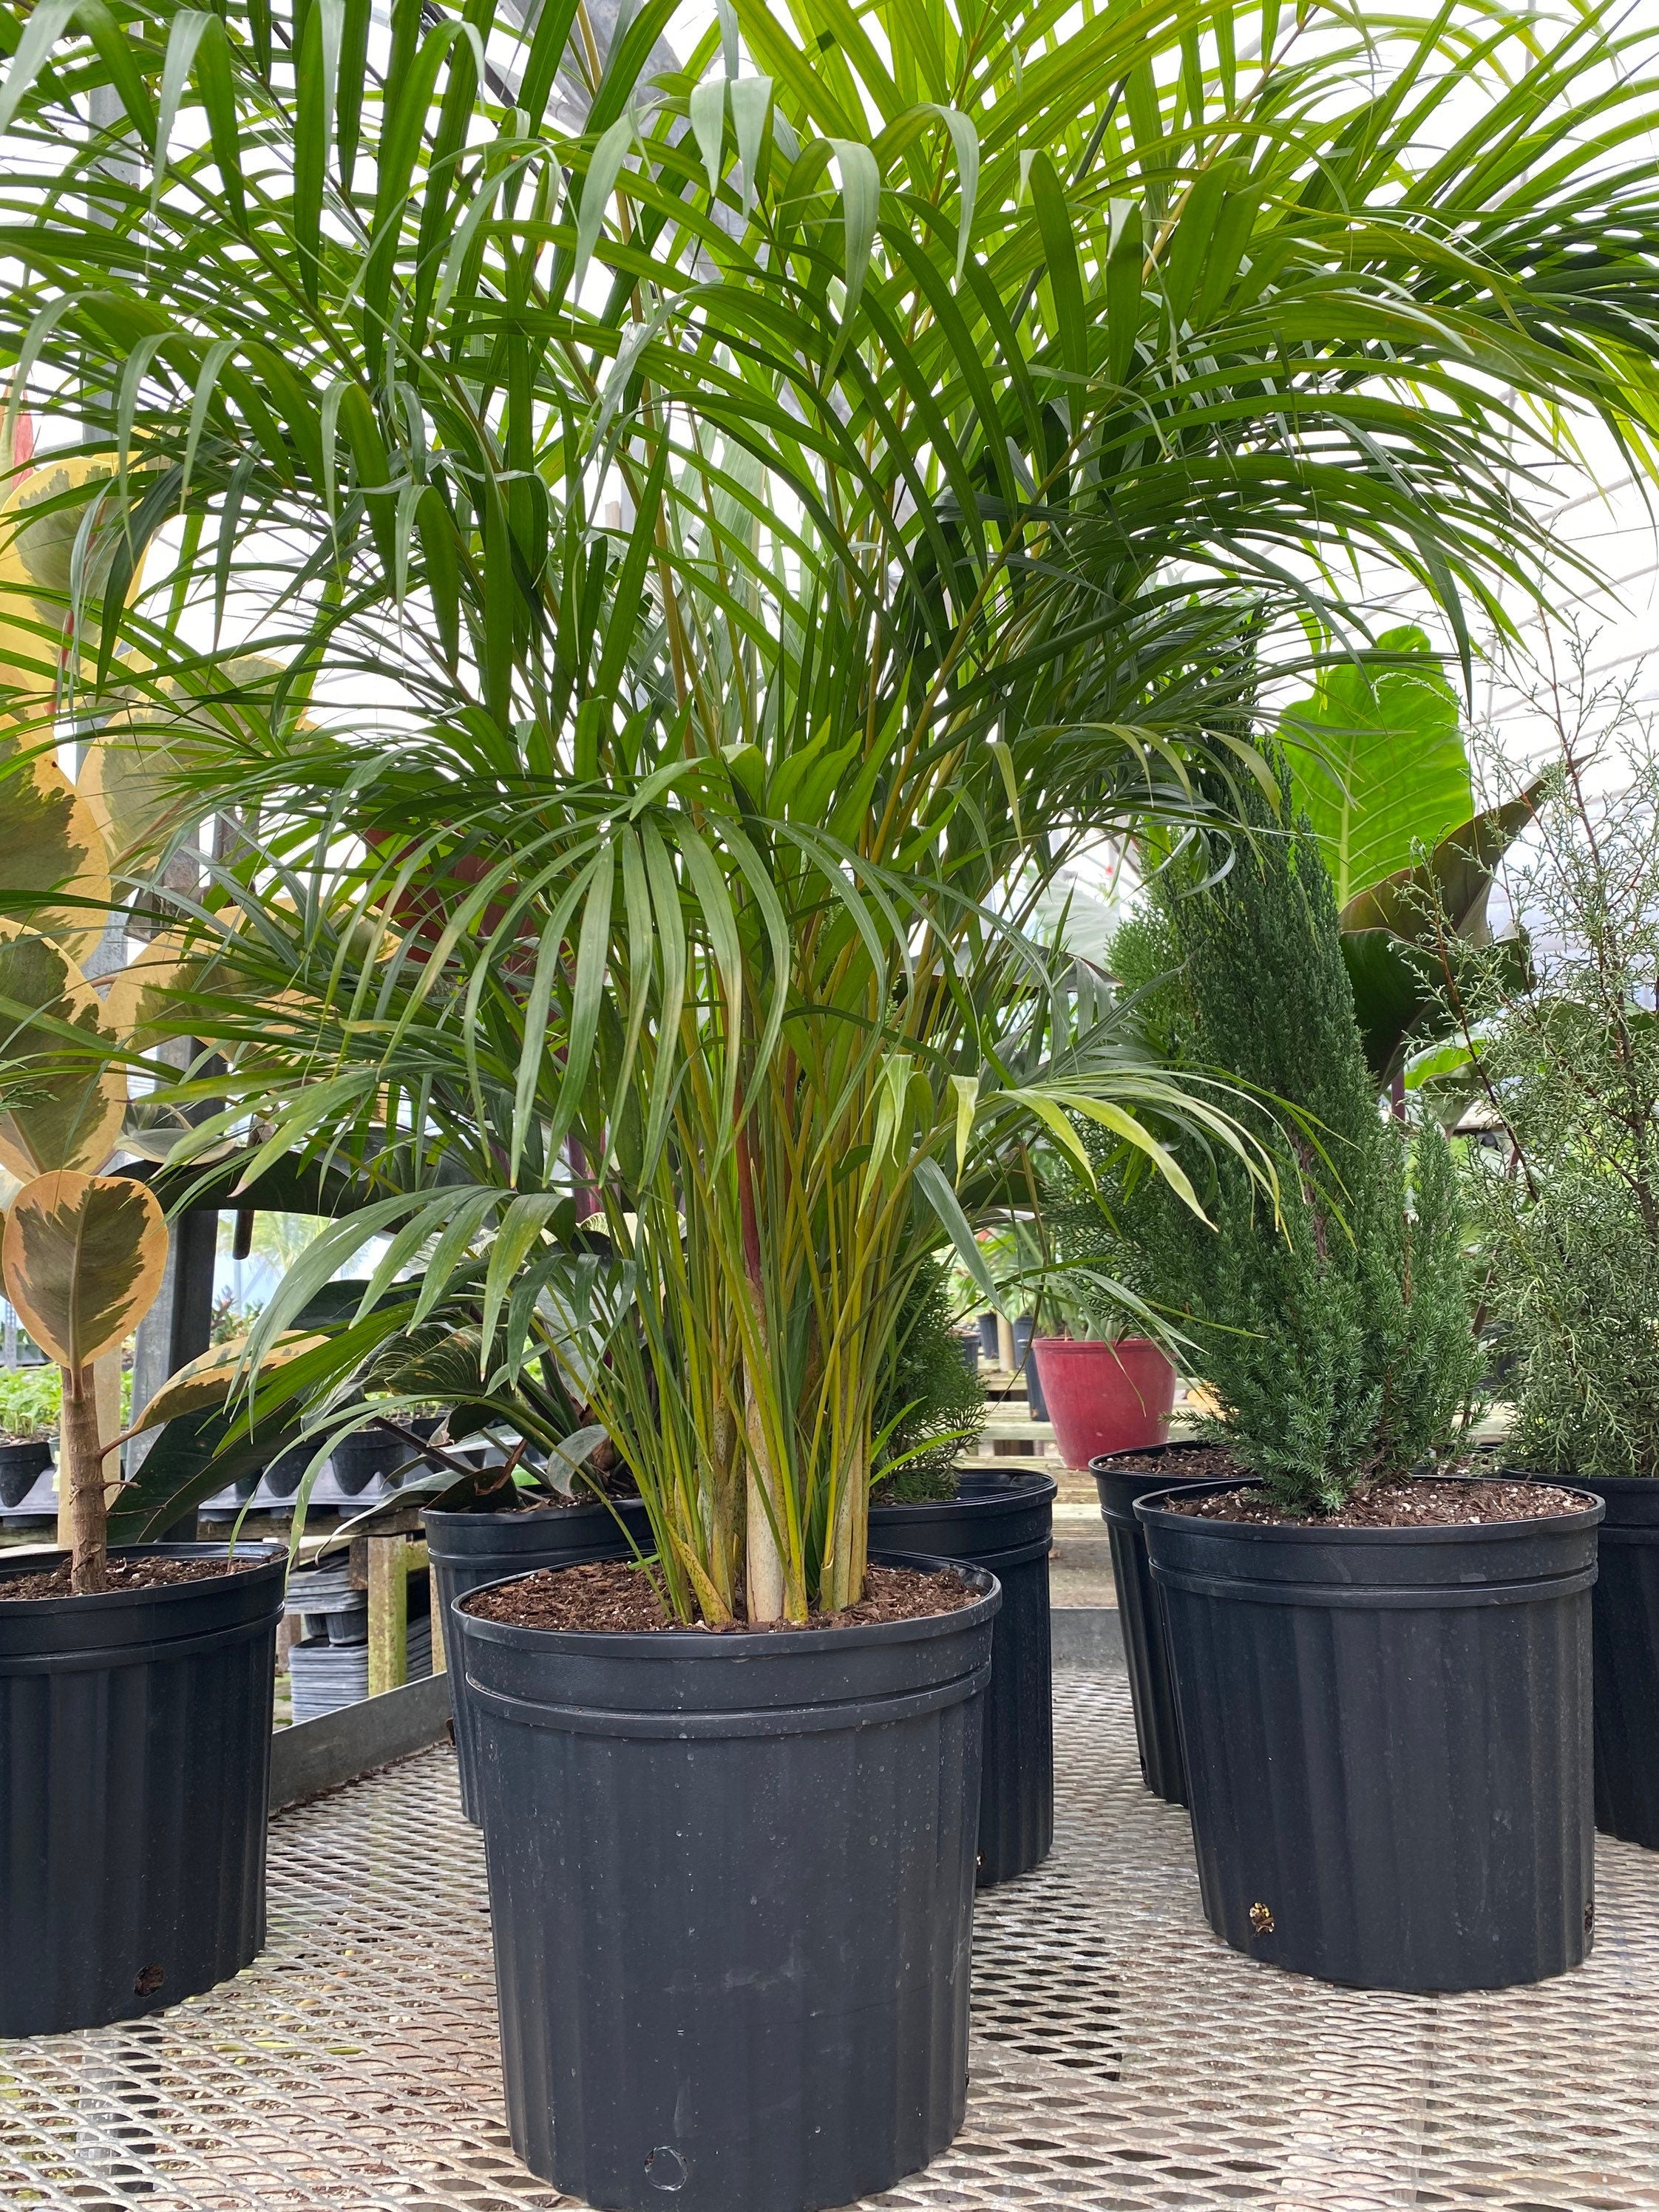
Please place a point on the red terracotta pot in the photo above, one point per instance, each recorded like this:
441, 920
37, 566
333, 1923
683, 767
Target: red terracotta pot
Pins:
1104, 1397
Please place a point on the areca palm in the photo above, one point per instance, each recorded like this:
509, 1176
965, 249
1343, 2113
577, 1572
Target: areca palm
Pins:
774, 518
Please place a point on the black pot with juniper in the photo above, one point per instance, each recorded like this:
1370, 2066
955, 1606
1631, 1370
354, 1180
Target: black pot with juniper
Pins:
1382, 1684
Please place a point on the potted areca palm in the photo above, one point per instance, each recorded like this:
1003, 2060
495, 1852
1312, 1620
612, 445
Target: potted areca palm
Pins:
768, 583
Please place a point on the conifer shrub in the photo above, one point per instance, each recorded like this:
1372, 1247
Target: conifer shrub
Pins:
1337, 1339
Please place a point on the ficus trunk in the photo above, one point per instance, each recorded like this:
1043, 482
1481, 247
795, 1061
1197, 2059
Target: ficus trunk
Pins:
82, 1472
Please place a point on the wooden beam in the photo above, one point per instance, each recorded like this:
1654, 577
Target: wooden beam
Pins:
388, 1612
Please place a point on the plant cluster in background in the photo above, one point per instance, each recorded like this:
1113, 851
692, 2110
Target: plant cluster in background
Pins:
779, 510
30, 1401
1559, 1061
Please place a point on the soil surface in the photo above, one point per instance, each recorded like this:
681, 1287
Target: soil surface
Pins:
126, 1575
616, 1596
1181, 1462
1413, 1501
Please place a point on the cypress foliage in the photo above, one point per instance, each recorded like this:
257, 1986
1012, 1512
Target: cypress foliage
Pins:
930, 1406
1338, 1341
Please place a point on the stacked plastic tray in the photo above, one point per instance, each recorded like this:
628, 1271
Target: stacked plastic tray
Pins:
328, 1667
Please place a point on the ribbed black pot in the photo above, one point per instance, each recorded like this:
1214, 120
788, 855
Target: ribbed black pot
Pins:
1140, 1617
464, 1551
987, 1337
1388, 1742
1005, 1524
283, 1476
135, 1771
1025, 1328
359, 1459
21, 1466
1624, 1615
730, 1888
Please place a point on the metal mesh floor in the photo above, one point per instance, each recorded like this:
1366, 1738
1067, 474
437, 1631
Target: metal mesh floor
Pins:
1123, 2057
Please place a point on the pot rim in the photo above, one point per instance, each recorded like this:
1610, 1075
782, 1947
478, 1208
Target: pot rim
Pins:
1631, 1483
1023, 1490
267, 1554
1301, 1532
1115, 1346
531, 1512
1108, 1462
737, 1644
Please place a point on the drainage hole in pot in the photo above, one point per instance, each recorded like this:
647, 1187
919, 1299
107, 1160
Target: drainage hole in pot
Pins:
665, 2169
148, 1981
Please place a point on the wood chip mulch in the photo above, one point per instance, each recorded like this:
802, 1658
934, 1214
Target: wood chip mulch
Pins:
125, 1575
615, 1595
1401, 1502
1181, 1462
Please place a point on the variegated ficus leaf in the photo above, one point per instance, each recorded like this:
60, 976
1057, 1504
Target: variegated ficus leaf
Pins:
83, 1258
62, 1098
207, 1381
54, 866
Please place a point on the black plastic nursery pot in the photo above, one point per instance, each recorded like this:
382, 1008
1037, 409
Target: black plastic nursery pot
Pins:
464, 1551
135, 1769
1140, 1611
1388, 1737
730, 1885
1004, 1523
285, 1473
361, 1459
1024, 1363
1624, 1617
21, 1468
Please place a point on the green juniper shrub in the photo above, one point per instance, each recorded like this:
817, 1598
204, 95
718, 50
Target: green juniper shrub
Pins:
1338, 1341
930, 1406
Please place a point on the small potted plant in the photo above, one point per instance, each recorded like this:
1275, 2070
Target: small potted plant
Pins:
929, 1499
141, 1678
29, 1402
1559, 1061
1382, 1670
1107, 1386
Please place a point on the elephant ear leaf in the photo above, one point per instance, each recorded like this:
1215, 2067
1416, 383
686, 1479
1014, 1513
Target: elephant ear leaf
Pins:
1378, 760
83, 1258
1456, 879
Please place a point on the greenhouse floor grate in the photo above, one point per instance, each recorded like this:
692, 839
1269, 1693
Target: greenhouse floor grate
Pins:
1123, 2058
